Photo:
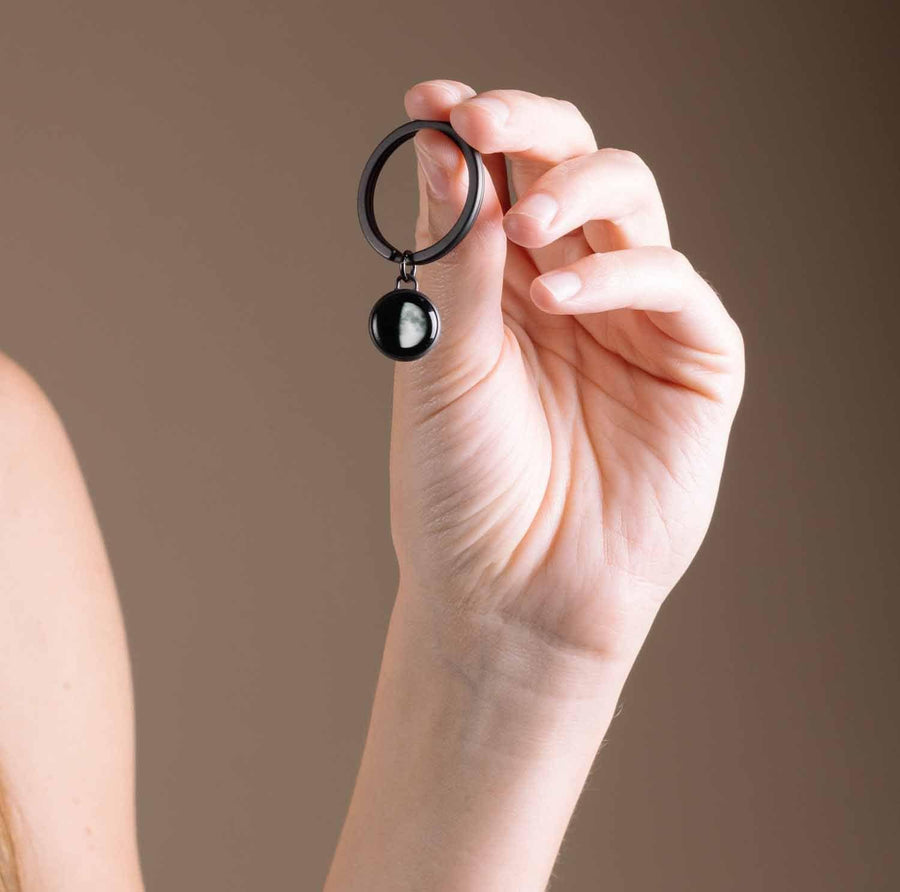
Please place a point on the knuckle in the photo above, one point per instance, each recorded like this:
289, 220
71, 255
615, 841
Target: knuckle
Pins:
511, 97
737, 339
680, 266
570, 108
630, 160
638, 182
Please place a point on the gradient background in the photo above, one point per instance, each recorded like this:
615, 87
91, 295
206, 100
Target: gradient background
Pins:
183, 271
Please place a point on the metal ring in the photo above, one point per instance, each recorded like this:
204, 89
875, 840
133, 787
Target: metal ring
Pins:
407, 266
365, 201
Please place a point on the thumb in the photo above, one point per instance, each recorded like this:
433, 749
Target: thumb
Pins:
466, 284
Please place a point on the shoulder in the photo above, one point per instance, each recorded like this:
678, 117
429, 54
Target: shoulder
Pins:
31, 430
22, 400
66, 740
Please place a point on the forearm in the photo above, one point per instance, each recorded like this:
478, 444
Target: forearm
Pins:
480, 740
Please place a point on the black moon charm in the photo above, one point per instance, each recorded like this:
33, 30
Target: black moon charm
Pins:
404, 324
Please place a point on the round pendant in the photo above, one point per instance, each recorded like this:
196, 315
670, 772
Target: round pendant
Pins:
404, 324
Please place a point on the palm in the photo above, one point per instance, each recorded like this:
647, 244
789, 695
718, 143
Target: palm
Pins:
557, 465
565, 475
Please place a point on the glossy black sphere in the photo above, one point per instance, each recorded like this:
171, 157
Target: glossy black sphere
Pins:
404, 324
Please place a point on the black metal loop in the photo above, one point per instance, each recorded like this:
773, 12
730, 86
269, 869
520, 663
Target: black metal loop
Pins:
365, 201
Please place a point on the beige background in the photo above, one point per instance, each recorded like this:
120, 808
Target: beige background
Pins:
183, 271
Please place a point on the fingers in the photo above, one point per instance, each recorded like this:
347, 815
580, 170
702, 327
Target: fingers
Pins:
660, 281
535, 132
433, 101
466, 284
609, 185
610, 196
539, 128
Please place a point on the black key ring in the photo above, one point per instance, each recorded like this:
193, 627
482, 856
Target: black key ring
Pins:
404, 324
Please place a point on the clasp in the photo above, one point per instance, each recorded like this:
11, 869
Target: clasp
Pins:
407, 270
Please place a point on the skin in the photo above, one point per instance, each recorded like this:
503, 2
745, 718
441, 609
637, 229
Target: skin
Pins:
554, 467
555, 461
66, 717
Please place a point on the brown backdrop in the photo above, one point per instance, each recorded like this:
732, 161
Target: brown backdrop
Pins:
183, 271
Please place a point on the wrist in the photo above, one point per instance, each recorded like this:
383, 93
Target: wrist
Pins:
480, 741
501, 659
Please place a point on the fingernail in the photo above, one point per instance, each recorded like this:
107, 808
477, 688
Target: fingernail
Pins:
562, 285
436, 172
540, 207
496, 108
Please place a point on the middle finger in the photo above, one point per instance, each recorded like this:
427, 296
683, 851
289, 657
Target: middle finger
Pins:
609, 186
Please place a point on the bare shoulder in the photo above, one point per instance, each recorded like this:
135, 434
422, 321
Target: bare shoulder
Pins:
66, 716
31, 429
22, 402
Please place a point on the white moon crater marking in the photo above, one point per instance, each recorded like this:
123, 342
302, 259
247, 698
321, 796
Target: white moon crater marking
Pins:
413, 325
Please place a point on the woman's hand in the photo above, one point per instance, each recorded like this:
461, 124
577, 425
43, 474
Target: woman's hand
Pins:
555, 459
556, 456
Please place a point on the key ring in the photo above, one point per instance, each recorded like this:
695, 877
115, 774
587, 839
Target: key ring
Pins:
404, 324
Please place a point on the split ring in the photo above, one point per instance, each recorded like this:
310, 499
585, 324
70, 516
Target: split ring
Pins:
365, 202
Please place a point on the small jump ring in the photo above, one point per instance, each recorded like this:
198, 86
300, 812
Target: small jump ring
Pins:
365, 202
407, 267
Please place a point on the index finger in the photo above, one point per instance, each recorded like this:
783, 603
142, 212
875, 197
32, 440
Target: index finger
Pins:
535, 132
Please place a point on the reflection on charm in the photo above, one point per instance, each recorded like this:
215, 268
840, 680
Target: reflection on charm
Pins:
404, 324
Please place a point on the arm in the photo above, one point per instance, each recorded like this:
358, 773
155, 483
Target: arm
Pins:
480, 741
66, 732
555, 460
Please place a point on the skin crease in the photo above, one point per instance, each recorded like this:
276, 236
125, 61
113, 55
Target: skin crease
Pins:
554, 467
558, 461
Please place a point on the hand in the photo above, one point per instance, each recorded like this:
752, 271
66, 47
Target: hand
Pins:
555, 458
